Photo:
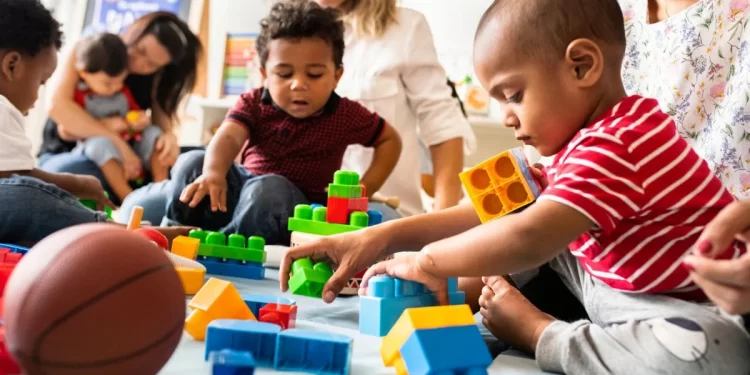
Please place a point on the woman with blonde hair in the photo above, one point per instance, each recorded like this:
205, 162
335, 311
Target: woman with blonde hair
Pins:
406, 85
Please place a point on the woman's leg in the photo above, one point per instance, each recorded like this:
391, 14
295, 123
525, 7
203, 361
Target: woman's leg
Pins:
72, 163
32, 209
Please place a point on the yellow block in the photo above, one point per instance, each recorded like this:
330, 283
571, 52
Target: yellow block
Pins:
186, 247
132, 116
191, 278
217, 299
421, 318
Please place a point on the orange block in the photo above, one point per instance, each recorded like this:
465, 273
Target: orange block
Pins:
501, 184
217, 299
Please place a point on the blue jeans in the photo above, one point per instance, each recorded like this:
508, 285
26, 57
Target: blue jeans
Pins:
32, 209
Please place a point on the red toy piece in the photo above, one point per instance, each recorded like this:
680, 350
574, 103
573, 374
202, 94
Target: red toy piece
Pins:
155, 236
8, 365
283, 316
357, 205
338, 210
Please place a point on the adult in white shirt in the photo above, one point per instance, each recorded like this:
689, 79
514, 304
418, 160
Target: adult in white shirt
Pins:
391, 67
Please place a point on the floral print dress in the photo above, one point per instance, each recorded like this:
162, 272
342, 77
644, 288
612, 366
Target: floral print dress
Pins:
697, 64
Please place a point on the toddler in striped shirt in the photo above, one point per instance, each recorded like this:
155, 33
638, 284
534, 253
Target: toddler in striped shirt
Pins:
625, 200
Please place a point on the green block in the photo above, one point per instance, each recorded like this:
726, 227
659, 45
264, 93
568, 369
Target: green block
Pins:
306, 220
346, 178
308, 279
216, 245
91, 205
344, 191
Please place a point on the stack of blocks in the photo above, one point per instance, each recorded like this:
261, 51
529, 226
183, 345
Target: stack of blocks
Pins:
231, 257
436, 340
387, 298
267, 345
346, 212
501, 185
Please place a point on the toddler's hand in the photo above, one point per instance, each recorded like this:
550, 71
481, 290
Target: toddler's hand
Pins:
116, 124
131, 163
89, 187
211, 184
537, 171
407, 266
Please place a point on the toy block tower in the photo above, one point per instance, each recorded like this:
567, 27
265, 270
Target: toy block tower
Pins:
501, 185
387, 298
423, 341
345, 196
234, 256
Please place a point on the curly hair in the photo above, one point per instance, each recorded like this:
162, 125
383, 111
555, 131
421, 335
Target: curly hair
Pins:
296, 19
103, 52
28, 27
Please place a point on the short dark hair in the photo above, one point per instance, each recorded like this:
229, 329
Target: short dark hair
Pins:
28, 27
543, 28
296, 19
102, 52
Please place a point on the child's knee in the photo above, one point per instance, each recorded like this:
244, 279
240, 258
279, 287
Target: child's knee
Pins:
188, 164
100, 150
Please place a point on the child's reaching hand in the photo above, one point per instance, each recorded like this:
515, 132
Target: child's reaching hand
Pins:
407, 266
211, 184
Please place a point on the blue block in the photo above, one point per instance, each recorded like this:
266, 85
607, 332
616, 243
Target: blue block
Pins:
14, 248
388, 297
313, 351
374, 217
258, 338
233, 268
256, 301
231, 362
316, 205
435, 351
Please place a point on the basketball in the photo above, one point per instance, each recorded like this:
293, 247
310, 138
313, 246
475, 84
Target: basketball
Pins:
94, 299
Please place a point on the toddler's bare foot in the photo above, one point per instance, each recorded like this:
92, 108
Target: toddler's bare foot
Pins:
510, 316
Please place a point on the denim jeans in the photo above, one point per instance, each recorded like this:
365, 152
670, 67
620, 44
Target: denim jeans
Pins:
31, 209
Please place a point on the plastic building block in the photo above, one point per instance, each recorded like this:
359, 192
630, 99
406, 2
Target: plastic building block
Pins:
313, 351
8, 364
311, 221
352, 286
186, 247
308, 279
233, 268
338, 210
14, 248
191, 278
216, 244
417, 319
500, 185
284, 316
258, 338
217, 299
428, 351
357, 204
91, 205
154, 236
232, 362
345, 185
256, 301
374, 217
388, 297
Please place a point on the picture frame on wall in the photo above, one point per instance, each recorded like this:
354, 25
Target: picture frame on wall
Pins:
114, 16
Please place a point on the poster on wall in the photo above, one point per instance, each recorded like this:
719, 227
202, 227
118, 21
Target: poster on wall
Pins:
241, 68
116, 15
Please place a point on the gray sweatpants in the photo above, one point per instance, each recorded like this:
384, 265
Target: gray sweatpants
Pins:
640, 333
100, 150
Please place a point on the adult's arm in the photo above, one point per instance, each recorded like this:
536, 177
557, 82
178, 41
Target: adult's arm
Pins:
442, 125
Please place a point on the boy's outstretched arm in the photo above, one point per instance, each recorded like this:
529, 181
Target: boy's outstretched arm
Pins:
220, 154
387, 151
507, 245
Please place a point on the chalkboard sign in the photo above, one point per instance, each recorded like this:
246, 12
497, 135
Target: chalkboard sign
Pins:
116, 15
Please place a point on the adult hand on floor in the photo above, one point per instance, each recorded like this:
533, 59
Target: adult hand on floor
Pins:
349, 252
726, 282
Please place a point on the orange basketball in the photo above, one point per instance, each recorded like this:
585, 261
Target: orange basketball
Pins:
94, 299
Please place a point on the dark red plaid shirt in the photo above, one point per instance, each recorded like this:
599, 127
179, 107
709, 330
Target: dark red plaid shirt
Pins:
306, 151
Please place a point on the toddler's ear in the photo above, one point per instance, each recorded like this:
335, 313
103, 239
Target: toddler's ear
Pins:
10, 65
586, 62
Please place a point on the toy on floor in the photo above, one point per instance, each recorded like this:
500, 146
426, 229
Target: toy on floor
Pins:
233, 256
10, 255
231, 362
387, 298
93, 299
285, 350
308, 279
347, 203
501, 184
91, 205
436, 340
217, 299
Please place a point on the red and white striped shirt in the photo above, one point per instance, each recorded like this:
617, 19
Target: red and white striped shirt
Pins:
647, 191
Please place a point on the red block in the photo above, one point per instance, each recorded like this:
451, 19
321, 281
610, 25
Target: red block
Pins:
5, 271
338, 210
8, 365
283, 316
154, 236
364, 191
357, 204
